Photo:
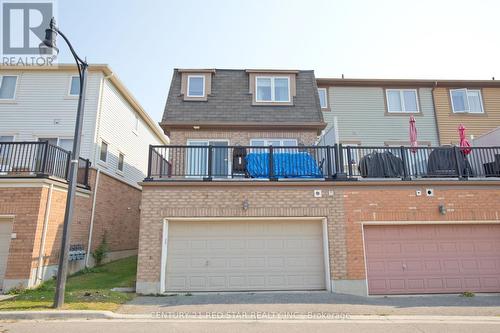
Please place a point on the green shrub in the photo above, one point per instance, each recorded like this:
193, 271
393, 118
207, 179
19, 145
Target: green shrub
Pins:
101, 252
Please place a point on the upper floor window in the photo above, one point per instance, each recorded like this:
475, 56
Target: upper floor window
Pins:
402, 100
8, 86
466, 100
6, 138
196, 86
273, 142
323, 99
74, 87
66, 144
272, 89
121, 160
103, 153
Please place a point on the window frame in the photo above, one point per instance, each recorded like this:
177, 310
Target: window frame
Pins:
479, 90
122, 170
401, 96
15, 87
191, 142
266, 140
273, 86
188, 84
107, 152
326, 98
70, 85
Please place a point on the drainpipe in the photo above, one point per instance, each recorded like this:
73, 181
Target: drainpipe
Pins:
92, 214
39, 270
435, 113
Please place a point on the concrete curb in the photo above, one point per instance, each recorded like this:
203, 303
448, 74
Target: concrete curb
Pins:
103, 315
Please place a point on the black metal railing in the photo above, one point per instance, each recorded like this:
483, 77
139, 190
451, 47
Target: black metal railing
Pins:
338, 162
39, 159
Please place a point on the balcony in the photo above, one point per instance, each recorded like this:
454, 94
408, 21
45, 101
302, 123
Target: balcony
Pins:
303, 163
39, 159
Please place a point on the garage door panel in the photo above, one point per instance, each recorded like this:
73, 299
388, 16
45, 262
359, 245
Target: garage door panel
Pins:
451, 258
253, 255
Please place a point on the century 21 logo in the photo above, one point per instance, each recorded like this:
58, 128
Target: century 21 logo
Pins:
24, 24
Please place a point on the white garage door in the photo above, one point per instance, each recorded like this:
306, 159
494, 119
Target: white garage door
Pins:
5, 233
245, 256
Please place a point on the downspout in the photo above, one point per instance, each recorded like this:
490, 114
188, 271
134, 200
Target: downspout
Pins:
435, 113
92, 214
39, 270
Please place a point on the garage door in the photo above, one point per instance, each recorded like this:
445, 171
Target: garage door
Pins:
245, 256
5, 233
414, 259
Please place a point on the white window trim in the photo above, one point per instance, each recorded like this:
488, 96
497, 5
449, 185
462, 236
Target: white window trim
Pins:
326, 97
195, 76
118, 171
267, 140
15, 88
401, 96
273, 97
69, 87
105, 163
468, 104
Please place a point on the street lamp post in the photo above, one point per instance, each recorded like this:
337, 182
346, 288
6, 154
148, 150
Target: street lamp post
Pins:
48, 46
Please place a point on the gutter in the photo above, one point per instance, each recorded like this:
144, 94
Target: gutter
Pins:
435, 113
39, 270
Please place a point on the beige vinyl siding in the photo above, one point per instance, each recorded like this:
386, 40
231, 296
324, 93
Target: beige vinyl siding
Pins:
362, 117
476, 124
116, 128
42, 100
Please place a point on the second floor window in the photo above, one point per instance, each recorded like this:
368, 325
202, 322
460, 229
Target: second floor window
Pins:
323, 101
272, 89
466, 100
103, 153
121, 159
196, 86
402, 100
74, 88
8, 86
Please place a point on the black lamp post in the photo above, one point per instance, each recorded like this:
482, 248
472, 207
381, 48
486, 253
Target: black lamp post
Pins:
48, 46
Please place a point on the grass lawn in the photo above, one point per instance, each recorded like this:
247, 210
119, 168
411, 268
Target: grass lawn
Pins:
85, 290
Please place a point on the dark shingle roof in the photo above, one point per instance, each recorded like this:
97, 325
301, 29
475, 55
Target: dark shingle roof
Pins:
231, 102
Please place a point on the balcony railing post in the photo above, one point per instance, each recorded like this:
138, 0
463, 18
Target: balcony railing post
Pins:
150, 160
458, 169
45, 157
329, 174
272, 176
349, 159
210, 162
340, 174
68, 163
406, 176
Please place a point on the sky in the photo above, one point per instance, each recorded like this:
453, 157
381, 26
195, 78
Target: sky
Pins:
143, 41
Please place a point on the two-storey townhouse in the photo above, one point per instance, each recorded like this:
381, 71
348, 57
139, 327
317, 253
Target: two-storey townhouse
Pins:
242, 200
37, 115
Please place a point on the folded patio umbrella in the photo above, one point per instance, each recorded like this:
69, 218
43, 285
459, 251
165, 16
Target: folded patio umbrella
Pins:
464, 143
413, 135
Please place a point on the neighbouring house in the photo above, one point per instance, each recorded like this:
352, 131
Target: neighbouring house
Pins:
376, 112
475, 104
242, 199
37, 120
488, 139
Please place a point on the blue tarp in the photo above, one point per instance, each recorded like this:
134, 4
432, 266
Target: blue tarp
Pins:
285, 165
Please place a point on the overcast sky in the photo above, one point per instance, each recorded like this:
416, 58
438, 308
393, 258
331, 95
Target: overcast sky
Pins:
144, 40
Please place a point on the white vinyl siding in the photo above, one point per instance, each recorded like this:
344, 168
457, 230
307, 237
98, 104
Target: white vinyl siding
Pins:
402, 100
272, 89
466, 100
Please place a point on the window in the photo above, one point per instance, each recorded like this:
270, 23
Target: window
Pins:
136, 125
197, 159
323, 100
8, 87
5, 151
121, 159
6, 138
103, 154
402, 100
466, 100
273, 142
196, 86
66, 144
272, 89
74, 87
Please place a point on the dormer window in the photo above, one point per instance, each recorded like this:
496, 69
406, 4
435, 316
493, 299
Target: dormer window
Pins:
272, 89
196, 86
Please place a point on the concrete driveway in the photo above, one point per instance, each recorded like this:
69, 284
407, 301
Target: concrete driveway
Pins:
303, 304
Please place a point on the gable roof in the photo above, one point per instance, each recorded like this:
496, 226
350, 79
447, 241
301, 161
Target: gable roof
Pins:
230, 105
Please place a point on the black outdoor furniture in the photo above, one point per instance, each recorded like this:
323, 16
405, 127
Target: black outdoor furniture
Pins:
381, 165
443, 163
239, 166
492, 169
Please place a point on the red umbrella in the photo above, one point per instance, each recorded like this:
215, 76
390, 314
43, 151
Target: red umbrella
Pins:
413, 135
464, 143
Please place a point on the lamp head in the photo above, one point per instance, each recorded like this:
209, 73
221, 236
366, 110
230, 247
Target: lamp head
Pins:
48, 46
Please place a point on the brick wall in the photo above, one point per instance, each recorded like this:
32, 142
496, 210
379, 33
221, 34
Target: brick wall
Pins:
345, 209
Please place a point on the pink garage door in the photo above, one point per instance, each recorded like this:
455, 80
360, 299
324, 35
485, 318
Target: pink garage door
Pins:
417, 259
